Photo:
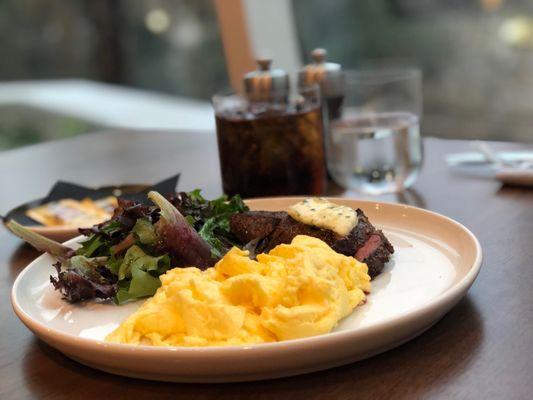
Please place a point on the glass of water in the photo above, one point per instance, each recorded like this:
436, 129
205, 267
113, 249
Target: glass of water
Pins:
375, 145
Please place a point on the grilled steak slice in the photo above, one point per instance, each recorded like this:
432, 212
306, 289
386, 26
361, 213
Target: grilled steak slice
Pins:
253, 225
364, 242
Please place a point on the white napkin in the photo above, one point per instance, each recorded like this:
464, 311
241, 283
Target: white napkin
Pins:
511, 168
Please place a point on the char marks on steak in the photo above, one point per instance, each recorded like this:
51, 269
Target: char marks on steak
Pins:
364, 242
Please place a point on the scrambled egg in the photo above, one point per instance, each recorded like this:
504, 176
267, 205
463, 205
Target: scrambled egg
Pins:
297, 290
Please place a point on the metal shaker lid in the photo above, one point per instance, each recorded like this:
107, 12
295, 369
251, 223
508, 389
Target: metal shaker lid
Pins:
329, 75
265, 84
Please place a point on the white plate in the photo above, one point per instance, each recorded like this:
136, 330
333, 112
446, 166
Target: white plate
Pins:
436, 261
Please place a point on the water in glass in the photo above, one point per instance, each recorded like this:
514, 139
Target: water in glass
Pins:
375, 153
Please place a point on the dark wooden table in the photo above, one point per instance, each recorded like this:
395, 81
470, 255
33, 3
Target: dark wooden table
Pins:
483, 349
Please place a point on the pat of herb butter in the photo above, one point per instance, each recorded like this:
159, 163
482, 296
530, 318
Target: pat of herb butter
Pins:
322, 213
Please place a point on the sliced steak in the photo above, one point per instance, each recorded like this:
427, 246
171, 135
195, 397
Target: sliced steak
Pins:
270, 229
253, 225
288, 228
367, 244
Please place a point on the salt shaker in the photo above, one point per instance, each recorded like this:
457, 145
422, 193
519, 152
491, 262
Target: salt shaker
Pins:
267, 84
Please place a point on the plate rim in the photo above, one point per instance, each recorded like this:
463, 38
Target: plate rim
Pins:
42, 330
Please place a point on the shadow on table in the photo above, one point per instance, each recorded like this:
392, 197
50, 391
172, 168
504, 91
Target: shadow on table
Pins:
416, 369
408, 196
21, 257
411, 197
520, 193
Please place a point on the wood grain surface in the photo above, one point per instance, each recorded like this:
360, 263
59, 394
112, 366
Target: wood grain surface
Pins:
483, 349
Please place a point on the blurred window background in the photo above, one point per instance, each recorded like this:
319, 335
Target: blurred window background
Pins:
476, 56
168, 46
171, 46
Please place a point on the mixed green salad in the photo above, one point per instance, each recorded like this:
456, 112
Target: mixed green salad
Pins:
122, 258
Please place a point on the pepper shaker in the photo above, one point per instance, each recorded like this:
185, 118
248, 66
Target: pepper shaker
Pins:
329, 76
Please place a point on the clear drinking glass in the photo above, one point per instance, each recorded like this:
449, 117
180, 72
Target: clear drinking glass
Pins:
375, 145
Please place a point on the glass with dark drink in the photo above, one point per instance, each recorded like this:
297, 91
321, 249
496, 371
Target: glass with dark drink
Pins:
269, 143
270, 149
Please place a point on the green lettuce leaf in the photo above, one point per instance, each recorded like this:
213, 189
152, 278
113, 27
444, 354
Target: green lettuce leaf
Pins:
136, 257
207, 232
88, 267
114, 264
211, 218
142, 284
91, 246
145, 232
138, 274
